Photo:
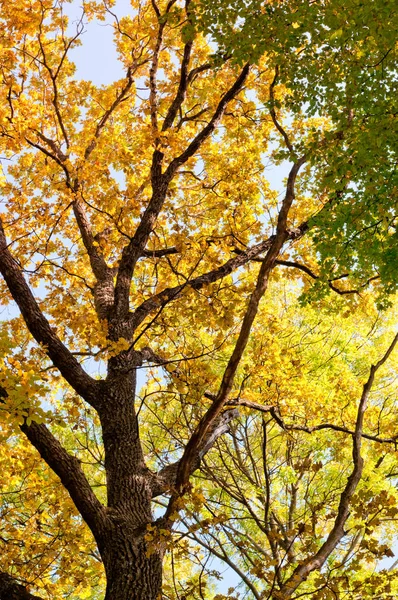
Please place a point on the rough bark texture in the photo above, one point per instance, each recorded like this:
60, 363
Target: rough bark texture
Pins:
133, 569
130, 573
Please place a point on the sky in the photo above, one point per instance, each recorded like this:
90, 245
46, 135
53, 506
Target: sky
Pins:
96, 59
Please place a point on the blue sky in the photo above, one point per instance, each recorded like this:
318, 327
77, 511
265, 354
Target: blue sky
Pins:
96, 59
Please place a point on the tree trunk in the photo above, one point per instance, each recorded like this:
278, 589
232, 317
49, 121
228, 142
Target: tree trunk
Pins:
133, 564
132, 574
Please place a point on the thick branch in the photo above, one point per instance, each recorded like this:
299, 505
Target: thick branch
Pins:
266, 408
315, 562
197, 70
104, 290
215, 409
54, 147
159, 253
97, 261
40, 328
10, 589
167, 295
227, 382
242, 402
68, 469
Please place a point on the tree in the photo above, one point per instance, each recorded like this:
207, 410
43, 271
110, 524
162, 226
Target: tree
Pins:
273, 487
139, 229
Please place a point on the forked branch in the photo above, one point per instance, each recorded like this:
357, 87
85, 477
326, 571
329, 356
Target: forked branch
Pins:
160, 183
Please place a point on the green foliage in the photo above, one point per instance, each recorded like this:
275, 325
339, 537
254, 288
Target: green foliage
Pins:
336, 60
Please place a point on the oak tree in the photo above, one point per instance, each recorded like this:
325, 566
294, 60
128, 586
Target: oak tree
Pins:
139, 231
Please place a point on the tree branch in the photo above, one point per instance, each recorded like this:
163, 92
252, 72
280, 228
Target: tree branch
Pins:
273, 114
53, 157
276, 416
160, 182
53, 76
210, 127
118, 100
104, 289
40, 328
54, 147
308, 271
182, 89
167, 295
242, 402
273, 410
153, 103
97, 261
159, 253
68, 469
194, 72
10, 589
183, 85
223, 556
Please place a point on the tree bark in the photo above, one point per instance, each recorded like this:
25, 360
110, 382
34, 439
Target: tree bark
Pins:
10, 589
132, 562
131, 573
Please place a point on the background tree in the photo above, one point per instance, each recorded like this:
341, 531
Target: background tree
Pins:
139, 228
272, 487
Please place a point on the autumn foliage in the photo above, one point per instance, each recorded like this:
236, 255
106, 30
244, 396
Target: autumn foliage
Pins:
197, 361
